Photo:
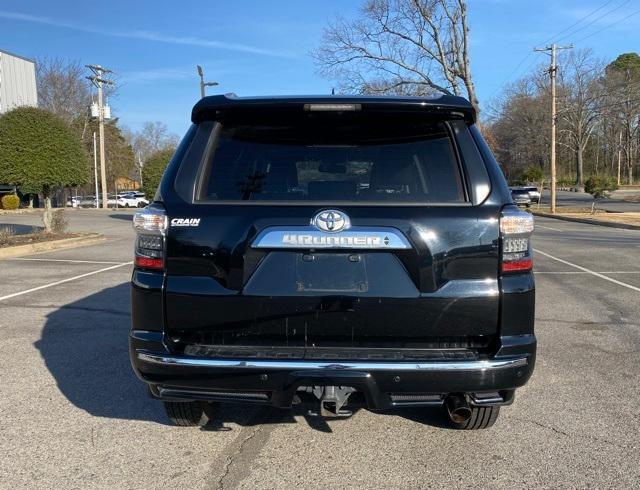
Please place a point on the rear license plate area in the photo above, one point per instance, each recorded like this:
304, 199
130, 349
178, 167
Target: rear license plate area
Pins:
331, 273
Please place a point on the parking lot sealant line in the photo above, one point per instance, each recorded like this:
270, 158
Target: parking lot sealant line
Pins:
65, 260
44, 286
579, 267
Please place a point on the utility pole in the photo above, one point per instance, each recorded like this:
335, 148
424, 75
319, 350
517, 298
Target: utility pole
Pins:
552, 51
619, 155
140, 164
95, 168
204, 84
98, 80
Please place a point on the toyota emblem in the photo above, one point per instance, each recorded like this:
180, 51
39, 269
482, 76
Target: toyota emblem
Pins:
331, 221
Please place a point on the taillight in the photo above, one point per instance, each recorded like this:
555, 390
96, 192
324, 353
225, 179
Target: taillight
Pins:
150, 225
516, 227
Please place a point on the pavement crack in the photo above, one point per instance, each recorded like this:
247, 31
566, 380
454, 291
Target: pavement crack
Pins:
232, 458
567, 434
548, 427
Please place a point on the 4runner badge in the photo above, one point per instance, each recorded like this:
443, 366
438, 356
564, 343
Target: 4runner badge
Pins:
185, 222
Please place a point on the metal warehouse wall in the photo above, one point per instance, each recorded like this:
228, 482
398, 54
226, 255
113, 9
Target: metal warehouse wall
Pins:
17, 82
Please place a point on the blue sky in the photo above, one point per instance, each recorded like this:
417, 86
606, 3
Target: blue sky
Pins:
261, 47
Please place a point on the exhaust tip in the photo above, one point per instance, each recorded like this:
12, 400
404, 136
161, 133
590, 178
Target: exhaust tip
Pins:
458, 408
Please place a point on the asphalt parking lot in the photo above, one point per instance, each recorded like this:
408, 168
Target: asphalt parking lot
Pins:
73, 415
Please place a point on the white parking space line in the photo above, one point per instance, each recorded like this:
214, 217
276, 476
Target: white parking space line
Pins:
584, 269
64, 260
44, 286
582, 272
547, 227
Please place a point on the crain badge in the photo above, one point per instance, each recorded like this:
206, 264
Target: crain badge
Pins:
185, 222
331, 221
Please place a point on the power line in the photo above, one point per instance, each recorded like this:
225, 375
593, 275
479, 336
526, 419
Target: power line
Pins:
523, 60
508, 77
608, 26
554, 37
595, 20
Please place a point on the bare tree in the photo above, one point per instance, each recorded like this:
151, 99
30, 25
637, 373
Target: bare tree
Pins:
62, 87
152, 138
622, 82
406, 46
598, 119
520, 124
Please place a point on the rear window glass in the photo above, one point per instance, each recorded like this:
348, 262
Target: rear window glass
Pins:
325, 161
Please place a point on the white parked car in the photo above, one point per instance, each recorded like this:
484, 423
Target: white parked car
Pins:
132, 200
74, 201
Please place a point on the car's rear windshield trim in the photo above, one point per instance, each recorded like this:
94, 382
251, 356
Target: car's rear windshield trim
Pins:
333, 203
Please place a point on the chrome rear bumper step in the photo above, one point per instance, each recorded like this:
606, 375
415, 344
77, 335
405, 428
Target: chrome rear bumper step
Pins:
275, 364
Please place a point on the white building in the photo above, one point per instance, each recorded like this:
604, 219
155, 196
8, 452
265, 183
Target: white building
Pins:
17, 82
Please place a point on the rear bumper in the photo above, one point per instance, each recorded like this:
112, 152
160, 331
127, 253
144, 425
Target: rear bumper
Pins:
383, 384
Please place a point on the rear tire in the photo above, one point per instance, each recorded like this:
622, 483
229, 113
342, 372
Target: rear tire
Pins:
481, 418
188, 414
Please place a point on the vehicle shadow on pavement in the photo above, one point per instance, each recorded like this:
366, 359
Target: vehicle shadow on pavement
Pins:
84, 346
246, 415
432, 416
125, 217
252, 415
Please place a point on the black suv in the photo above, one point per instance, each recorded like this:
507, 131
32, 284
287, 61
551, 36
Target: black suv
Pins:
343, 251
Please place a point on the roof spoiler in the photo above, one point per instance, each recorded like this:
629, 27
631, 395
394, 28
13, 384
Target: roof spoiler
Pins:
214, 106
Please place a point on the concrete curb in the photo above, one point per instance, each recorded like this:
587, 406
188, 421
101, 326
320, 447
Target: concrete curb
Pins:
11, 212
39, 247
588, 221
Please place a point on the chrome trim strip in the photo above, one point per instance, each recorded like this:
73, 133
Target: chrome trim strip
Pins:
356, 237
482, 365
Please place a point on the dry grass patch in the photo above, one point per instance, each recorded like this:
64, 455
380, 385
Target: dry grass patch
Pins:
9, 239
624, 218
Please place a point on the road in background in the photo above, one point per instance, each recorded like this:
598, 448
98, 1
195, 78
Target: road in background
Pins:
616, 202
74, 415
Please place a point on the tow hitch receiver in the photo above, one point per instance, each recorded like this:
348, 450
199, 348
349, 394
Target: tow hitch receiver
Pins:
332, 399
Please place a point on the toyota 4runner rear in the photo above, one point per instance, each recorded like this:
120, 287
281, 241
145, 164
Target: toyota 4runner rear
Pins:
343, 251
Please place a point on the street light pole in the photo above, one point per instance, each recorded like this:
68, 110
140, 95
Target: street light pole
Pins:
203, 84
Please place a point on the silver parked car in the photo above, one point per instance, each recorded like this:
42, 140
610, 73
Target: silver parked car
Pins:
534, 193
521, 197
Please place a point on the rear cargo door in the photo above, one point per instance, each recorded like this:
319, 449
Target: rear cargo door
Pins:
323, 231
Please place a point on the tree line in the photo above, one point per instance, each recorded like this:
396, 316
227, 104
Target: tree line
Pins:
598, 120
